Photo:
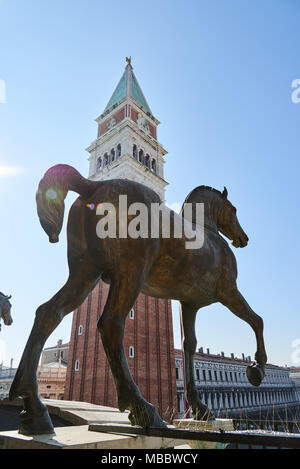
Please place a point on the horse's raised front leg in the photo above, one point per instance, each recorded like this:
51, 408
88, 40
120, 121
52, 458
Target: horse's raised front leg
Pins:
35, 419
122, 295
188, 317
232, 298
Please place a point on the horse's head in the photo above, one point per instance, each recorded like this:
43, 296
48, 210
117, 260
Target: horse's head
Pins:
219, 213
228, 223
5, 310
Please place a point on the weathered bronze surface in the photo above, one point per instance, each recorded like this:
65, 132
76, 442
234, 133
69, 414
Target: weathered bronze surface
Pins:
5, 307
159, 267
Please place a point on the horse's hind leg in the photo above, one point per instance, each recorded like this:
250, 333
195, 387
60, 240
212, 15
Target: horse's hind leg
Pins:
35, 418
122, 295
188, 317
233, 299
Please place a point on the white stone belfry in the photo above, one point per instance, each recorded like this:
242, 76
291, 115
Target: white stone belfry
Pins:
127, 146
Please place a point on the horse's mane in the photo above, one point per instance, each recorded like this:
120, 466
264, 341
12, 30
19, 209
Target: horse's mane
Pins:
198, 189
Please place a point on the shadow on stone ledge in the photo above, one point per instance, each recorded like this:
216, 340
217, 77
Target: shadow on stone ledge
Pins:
9, 415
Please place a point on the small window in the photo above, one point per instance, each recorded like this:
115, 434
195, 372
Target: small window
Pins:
131, 314
131, 352
119, 150
76, 365
153, 165
80, 328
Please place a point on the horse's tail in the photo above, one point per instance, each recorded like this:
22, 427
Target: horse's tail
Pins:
51, 193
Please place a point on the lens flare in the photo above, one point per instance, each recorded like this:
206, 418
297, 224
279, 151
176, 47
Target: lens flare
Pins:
51, 194
8, 171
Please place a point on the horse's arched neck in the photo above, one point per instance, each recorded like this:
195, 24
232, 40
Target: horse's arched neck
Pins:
211, 225
210, 217
212, 206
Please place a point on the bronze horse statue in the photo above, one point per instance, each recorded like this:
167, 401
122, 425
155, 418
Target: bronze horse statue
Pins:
158, 267
5, 307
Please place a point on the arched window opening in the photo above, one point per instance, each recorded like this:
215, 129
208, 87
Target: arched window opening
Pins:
112, 154
147, 161
99, 163
106, 159
153, 165
134, 152
131, 352
141, 156
118, 151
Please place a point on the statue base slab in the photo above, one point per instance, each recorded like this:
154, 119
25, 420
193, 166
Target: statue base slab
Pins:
80, 437
80, 415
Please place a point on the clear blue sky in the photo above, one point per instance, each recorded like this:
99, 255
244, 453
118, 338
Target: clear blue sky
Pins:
218, 75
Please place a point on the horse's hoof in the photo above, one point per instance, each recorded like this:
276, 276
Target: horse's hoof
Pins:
255, 374
40, 424
146, 416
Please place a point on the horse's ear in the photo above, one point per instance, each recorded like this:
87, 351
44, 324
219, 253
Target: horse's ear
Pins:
225, 193
8, 297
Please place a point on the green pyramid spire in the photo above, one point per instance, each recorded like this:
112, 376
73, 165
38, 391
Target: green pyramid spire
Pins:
128, 86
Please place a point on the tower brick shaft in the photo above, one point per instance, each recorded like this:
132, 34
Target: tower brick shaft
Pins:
126, 147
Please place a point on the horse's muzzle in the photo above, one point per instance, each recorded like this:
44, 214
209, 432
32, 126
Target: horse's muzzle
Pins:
53, 238
8, 322
241, 241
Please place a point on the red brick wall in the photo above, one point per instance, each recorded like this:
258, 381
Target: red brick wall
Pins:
119, 116
153, 365
134, 116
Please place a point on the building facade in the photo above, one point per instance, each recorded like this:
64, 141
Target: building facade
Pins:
52, 380
7, 375
53, 354
52, 371
295, 377
127, 148
223, 386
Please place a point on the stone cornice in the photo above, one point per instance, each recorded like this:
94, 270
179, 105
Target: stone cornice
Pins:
119, 104
127, 122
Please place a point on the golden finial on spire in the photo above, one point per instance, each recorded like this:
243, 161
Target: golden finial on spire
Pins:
128, 60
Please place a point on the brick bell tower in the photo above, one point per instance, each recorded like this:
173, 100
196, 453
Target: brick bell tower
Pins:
126, 147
